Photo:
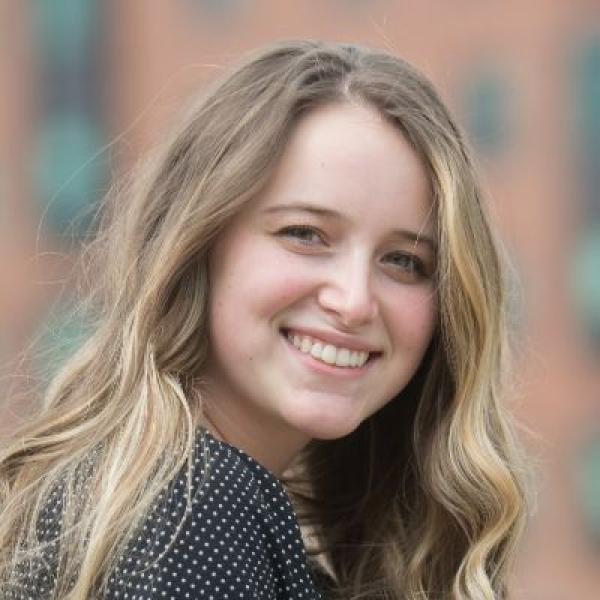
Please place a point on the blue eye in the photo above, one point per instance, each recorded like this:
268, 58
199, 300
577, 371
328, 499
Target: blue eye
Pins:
305, 234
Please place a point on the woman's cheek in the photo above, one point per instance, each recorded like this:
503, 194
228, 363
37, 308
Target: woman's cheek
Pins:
414, 316
286, 280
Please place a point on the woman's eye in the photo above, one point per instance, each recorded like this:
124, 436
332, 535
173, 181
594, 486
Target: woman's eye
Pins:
304, 234
408, 264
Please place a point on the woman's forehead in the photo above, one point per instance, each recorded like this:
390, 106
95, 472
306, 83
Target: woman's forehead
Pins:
348, 160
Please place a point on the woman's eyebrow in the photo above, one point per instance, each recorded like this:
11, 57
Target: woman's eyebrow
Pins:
416, 237
306, 207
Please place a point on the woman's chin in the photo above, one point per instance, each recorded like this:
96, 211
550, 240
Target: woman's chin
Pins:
329, 426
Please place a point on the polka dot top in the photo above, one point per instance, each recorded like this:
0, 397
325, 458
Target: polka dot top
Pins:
239, 540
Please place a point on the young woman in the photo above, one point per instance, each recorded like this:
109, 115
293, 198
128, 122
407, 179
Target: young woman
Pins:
301, 321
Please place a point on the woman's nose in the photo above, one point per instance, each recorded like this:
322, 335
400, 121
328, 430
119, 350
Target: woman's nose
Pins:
348, 294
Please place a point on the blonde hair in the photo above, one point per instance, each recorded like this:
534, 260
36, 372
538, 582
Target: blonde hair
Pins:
426, 499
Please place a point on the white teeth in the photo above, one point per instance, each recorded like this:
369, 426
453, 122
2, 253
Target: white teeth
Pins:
306, 344
342, 358
328, 353
316, 350
358, 359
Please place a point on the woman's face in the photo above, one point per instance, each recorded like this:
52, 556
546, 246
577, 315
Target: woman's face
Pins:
321, 294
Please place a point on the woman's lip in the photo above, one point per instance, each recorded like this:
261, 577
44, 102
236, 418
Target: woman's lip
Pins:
336, 339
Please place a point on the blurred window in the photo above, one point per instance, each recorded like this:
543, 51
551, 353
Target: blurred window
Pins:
589, 484
587, 105
486, 111
587, 280
587, 256
65, 28
70, 177
214, 7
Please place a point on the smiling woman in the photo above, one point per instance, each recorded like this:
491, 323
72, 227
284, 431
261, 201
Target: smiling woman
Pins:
302, 327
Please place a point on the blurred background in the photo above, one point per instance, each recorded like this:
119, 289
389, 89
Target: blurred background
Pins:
87, 86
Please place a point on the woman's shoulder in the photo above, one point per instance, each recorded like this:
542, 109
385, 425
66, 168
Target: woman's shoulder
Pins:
225, 526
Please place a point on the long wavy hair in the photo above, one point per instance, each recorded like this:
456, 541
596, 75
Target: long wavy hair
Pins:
426, 499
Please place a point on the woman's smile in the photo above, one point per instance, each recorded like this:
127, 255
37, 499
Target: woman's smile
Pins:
328, 353
331, 347
326, 358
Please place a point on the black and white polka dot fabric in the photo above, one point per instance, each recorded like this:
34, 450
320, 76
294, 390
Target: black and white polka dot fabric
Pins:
239, 540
